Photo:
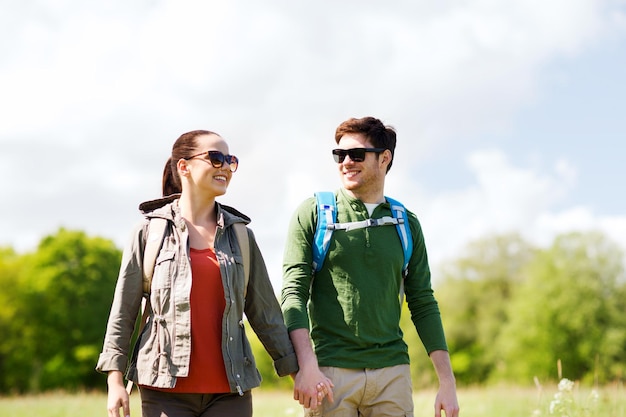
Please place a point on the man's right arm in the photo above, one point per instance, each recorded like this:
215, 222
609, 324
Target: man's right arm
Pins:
311, 385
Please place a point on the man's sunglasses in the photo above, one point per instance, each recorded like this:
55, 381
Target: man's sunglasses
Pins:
355, 154
217, 159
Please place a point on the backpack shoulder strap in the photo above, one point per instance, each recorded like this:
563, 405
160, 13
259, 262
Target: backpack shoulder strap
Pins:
244, 245
404, 230
154, 241
156, 233
326, 217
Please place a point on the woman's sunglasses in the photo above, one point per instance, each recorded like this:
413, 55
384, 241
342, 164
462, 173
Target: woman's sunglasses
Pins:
217, 159
355, 154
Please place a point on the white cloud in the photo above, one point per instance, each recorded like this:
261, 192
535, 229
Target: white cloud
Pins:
504, 198
95, 94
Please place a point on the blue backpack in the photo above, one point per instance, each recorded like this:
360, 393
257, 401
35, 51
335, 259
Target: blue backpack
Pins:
326, 225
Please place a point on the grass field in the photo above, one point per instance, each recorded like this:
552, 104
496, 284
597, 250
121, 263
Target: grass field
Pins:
475, 402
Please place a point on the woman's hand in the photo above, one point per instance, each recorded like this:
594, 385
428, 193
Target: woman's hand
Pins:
117, 397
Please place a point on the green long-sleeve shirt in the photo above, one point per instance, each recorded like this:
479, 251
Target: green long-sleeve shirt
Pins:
352, 303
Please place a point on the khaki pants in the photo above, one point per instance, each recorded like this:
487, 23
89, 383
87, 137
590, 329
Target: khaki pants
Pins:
368, 393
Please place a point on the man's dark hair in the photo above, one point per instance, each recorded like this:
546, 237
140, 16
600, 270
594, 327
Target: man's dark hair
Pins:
379, 135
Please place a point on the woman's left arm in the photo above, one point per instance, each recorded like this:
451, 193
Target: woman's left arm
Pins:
265, 316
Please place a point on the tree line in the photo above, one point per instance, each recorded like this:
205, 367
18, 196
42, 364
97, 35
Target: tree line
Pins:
511, 312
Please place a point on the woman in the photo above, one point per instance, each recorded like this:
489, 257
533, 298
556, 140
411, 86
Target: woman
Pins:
193, 358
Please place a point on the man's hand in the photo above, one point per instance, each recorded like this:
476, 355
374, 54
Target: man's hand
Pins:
446, 396
310, 384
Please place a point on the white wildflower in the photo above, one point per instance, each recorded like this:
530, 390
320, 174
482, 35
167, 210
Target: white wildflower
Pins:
566, 385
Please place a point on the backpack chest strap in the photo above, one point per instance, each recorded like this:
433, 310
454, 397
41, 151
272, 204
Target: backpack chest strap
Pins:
383, 221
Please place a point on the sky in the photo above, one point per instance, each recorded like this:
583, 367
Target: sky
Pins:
509, 114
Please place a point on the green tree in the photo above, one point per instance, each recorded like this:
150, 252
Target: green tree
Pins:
9, 273
473, 294
65, 292
265, 364
570, 307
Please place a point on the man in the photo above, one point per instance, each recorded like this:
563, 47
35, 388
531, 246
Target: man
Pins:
352, 302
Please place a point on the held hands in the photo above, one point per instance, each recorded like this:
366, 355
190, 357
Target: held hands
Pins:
324, 389
311, 386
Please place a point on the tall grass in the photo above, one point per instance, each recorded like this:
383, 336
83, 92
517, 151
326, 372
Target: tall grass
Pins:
475, 402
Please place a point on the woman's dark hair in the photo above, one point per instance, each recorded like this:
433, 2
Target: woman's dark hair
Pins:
185, 146
380, 135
